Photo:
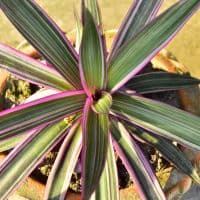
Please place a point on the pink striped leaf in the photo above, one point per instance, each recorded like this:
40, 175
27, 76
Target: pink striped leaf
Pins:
66, 160
92, 67
79, 30
159, 81
159, 118
93, 7
45, 110
139, 50
108, 186
30, 70
171, 152
26, 156
136, 163
95, 144
42, 32
11, 142
140, 13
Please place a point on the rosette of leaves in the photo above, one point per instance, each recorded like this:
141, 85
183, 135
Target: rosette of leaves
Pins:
90, 107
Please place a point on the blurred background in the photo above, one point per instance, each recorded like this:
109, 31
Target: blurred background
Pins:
185, 46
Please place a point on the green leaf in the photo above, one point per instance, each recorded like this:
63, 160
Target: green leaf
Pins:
79, 30
140, 13
136, 53
169, 151
136, 163
40, 30
95, 143
22, 160
93, 7
108, 185
66, 160
159, 118
29, 69
160, 81
103, 104
92, 58
11, 142
30, 115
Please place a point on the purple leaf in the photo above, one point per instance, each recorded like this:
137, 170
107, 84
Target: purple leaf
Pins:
30, 70
60, 176
140, 13
95, 143
45, 110
136, 53
136, 163
26, 156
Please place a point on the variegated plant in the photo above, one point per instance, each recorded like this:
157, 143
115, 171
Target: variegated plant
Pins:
88, 104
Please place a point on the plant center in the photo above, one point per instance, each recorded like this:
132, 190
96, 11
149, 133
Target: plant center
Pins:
102, 102
97, 95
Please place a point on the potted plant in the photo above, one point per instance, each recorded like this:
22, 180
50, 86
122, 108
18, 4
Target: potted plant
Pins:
97, 105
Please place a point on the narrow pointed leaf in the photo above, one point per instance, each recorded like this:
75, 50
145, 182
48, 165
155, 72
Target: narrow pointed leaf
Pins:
30, 115
40, 30
136, 163
95, 143
30, 70
159, 118
92, 67
140, 13
93, 7
159, 81
40, 94
108, 185
136, 53
169, 151
11, 142
23, 159
79, 30
66, 160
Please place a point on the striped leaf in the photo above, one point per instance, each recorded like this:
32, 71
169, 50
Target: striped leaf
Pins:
60, 176
159, 118
136, 163
30, 115
40, 94
95, 143
108, 185
169, 151
23, 159
140, 13
40, 30
79, 30
29, 69
93, 7
159, 81
92, 67
103, 104
11, 142
135, 54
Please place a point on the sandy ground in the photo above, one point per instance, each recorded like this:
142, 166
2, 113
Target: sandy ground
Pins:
186, 45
